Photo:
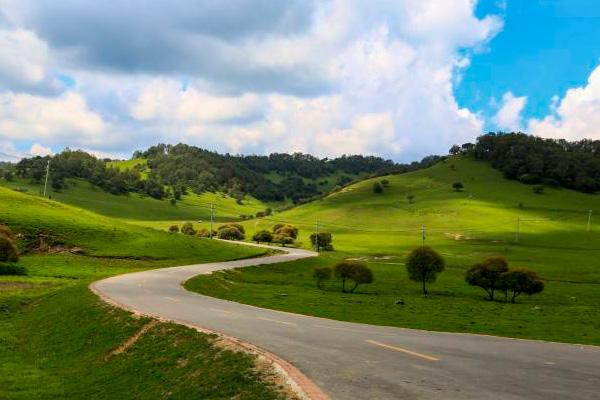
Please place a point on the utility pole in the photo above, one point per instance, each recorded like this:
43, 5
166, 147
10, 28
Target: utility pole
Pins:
212, 212
423, 235
47, 173
317, 235
518, 229
589, 224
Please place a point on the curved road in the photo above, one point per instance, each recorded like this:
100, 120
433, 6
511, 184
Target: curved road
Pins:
357, 361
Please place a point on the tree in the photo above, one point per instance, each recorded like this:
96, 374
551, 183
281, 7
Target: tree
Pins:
487, 275
230, 233
521, 281
8, 175
423, 265
205, 233
455, 149
286, 230
322, 274
324, 241
174, 229
343, 271
360, 274
239, 227
458, 186
538, 189
377, 188
8, 247
410, 198
263, 236
188, 229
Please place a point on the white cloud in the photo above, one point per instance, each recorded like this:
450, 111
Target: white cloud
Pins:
508, 117
576, 116
39, 150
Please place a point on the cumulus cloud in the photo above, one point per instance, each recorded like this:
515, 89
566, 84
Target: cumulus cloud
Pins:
39, 150
328, 77
508, 117
576, 116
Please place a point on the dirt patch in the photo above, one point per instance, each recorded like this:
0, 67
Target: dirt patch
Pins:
131, 341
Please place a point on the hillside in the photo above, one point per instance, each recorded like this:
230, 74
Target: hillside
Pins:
465, 227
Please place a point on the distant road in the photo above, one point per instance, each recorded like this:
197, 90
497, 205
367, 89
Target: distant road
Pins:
358, 361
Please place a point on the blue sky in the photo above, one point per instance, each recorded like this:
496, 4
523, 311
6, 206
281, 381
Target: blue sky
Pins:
545, 48
397, 78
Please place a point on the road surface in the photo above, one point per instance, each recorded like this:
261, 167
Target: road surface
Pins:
358, 361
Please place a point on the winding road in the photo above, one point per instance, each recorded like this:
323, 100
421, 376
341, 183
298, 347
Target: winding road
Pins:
357, 361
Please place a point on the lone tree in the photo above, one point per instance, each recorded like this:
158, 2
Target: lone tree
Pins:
455, 149
322, 274
377, 188
286, 230
188, 229
263, 236
521, 281
458, 186
174, 229
487, 275
360, 274
230, 233
343, 271
323, 241
423, 265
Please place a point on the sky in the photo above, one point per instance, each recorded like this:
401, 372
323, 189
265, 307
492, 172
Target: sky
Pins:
400, 79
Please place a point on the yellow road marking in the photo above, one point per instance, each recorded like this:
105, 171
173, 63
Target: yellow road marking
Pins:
355, 330
400, 349
277, 321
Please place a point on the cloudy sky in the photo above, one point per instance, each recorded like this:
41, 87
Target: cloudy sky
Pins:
396, 78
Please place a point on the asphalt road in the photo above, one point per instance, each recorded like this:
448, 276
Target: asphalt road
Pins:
357, 361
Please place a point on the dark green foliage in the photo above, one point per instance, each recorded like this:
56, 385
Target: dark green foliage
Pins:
410, 198
188, 229
283, 240
521, 281
458, 186
487, 275
360, 274
12, 269
263, 236
325, 240
8, 175
230, 233
538, 189
455, 149
377, 188
574, 165
233, 225
206, 233
174, 229
385, 182
423, 265
322, 274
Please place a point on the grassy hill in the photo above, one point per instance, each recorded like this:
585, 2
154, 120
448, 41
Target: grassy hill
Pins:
58, 340
465, 227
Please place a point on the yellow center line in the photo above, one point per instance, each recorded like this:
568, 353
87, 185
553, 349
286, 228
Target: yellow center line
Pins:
400, 349
277, 321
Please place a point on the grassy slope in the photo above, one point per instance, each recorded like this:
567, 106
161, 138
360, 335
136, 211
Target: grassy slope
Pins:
56, 336
465, 227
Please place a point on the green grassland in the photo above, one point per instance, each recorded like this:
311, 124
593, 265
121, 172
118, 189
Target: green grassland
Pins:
57, 339
464, 227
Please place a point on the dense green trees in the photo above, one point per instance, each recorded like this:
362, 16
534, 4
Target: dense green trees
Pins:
423, 265
323, 239
520, 281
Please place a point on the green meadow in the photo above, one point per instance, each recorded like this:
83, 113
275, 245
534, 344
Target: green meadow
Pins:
58, 340
465, 227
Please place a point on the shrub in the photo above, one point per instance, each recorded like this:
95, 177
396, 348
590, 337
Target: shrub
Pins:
205, 233
263, 236
8, 249
174, 229
385, 182
188, 229
5, 231
487, 275
12, 269
423, 265
458, 186
286, 230
360, 274
324, 241
520, 281
230, 233
233, 225
377, 188
345, 270
538, 189
322, 274
283, 240
410, 198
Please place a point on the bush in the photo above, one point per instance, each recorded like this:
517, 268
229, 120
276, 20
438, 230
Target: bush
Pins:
6, 232
458, 186
520, 281
12, 269
283, 240
263, 236
174, 229
8, 250
385, 182
324, 241
286, 230
423, 265
377, 188
487, 275
233, 225
410, 198
322, 274
538, 189
354, 271
230, 233
205, 233
188, 229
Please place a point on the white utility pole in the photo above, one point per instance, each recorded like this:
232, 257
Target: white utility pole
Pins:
212, 212
47, 173
589, 224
